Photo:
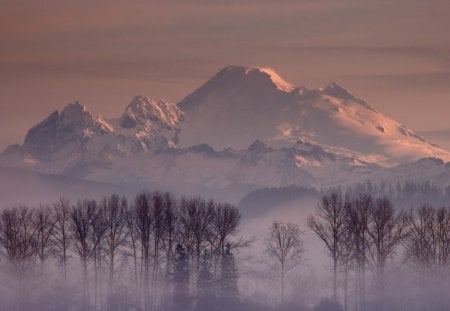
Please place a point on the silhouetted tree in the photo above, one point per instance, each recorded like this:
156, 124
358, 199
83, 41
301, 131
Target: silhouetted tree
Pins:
170, 224
285, 247
44, 224
358, 216
144, 223
330, 225
226, 221
386, 231
61, 234
81, 218
206, 284
18, 240
228, 282
114, 211
181, 279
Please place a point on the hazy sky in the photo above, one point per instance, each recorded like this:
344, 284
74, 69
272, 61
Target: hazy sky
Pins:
394, 54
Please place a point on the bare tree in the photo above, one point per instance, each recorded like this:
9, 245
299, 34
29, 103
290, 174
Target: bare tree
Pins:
285, 246
133, 244
44, 224
185, 232
170, 225
61, 234
358, 217
17, 237
346, 249
144, 223
420, 249
81, 218
421, 241
114, 211
107, 231
443, 237
158, 229
386, 231
330, 225
226, 221
196, 217
99, 226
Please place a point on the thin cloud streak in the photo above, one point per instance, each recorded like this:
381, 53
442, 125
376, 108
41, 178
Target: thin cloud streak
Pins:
102, 53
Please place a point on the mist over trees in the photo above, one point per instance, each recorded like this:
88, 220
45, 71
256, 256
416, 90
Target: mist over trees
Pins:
153, 253
158, 252
384, 258
284, 246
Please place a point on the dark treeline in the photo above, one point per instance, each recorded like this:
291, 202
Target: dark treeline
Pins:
406, 194
154, 253
157, 252
384, 258
259, 201
403, 195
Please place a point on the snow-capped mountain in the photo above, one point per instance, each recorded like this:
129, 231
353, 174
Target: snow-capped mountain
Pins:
145, 125
244, 129
64, 131
241, 104
152, 124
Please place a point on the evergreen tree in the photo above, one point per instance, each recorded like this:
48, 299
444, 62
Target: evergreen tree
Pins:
229, 292
206, 285
181, 279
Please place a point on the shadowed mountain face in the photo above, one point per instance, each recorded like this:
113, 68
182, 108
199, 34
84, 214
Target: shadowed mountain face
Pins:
245, 128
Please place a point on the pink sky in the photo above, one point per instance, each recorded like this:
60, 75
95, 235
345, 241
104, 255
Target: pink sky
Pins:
394, 54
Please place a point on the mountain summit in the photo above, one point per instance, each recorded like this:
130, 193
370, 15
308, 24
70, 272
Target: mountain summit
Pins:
237, 106
243, 129
70, 128
242, 104
143, 110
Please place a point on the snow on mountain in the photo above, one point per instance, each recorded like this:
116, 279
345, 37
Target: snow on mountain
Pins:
242, 104
244, 129
201, 169
75, 133
431, 170
441, 137
70, 128
153, 124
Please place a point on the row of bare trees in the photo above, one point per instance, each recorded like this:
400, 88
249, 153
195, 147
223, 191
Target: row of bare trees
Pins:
365, 236
115, 241
161, 253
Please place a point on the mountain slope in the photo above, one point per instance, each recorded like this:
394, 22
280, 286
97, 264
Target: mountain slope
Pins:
241, 104
71, 128
246, 128
441, 137
75, 133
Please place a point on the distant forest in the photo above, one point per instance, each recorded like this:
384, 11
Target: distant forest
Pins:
407, 194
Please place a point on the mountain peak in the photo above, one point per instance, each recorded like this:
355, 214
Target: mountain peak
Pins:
74, 107
335, 90
143, 109
265, 74
76, 113
258, 146
73, 127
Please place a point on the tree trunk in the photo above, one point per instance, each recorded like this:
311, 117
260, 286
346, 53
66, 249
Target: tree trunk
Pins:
282, 284
335, 279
